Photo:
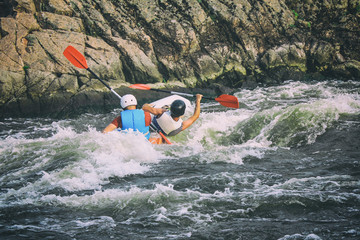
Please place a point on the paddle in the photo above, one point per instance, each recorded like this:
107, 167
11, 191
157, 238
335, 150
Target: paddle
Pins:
159, 132
224, 99
78, 60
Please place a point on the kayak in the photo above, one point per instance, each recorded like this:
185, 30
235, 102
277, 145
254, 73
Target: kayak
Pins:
155, 137
167, 101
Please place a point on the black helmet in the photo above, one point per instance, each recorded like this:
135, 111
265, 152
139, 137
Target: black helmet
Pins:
177, 108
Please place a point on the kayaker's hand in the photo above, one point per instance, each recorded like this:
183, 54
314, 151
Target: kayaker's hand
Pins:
164, 110
198, 97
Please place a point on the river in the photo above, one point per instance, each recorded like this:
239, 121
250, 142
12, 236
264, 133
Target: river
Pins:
285, 165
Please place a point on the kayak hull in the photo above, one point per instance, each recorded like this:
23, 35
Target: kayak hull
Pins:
156, 140
167, 101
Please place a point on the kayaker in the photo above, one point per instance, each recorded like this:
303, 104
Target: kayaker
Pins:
170, 122
131, 118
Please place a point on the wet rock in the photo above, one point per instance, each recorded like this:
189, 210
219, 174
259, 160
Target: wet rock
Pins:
201, 44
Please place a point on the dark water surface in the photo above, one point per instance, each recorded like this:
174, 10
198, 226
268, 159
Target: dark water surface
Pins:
283, 166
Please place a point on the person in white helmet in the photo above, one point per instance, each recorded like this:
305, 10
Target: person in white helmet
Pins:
131, 118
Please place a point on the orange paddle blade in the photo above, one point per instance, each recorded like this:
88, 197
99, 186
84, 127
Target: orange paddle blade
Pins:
228, 101
75, 57
140, 86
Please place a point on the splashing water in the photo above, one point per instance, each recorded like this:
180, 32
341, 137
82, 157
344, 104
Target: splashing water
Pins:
283, 166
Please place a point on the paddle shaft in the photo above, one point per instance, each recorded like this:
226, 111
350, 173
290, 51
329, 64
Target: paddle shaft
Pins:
152, 126
223, 99
179, 93
106, 85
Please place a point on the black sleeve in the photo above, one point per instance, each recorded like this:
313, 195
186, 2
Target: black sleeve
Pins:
176, 131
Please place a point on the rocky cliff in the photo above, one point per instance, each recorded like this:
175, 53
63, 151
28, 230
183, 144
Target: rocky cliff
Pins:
186, 43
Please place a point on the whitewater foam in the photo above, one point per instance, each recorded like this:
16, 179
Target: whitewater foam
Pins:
82, 161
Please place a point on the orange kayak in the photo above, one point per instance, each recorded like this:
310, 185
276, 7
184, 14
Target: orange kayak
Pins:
156, 140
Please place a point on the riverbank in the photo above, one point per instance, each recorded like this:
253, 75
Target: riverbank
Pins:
89, 100
197, 43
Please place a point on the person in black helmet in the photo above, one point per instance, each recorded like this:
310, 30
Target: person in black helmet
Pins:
170, 122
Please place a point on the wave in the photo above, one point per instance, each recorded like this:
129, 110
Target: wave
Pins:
286, 116
72, 156
70, 161
292, 126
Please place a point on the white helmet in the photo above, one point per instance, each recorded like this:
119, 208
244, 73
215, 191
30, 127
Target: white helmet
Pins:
128, 100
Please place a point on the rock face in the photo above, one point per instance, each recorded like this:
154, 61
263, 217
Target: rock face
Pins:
189, 43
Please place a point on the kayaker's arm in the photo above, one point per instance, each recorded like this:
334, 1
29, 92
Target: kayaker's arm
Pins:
188, 122
155, 111
116, 123
109, 128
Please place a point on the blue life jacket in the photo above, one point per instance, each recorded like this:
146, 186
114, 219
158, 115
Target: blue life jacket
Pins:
134, 119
